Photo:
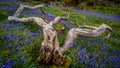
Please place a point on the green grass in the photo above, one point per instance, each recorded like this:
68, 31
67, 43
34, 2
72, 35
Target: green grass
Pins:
3, 15
114, 10
76, 19
82, 19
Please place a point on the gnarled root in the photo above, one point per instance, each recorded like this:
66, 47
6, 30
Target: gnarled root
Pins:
47, 55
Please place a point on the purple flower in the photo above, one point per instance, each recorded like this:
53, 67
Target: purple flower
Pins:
21, 43
92, 60
115, 59
50, 17
8, 37
13, 49
23, 59
99, 15
28, 35
106, 53
83, 52
9, 0
18, 47
29, 12
82, 60
26, 46
9, 64
71, 54
6, 66
8, 45
12, 9
94, 44
9, 61
72, 45
102, 64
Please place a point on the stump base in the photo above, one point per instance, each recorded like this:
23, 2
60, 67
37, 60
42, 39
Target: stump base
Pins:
48, 56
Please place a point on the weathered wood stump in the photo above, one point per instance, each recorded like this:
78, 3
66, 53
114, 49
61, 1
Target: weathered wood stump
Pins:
55, 57
50, 50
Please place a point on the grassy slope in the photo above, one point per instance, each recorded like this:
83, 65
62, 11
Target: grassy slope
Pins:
105, 9
25, 35
81, 19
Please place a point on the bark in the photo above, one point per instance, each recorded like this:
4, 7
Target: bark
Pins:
50, 50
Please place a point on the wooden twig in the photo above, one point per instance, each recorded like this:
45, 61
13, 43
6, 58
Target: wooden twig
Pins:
57, 19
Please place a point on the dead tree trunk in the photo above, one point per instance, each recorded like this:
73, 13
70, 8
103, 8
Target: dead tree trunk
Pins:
50, 50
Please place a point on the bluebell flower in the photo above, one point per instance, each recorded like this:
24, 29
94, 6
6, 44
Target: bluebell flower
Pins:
82, 52
105, 53
26, 46
102, 64
19, 53
9, 0
41, 30
82, 60
18, 47
115, 59
21, 43
96, 65
6, 26
94, 44
67, 24
12, 9
25, 3
99, 15
23, 59
6, 66
13, 49
49, 16
8, 45
30, 12
9, 64
35, 35
30, 41
9, 61
7, 37
79, 47
71, 54
28, 35
72, 45
91, 60
118, 53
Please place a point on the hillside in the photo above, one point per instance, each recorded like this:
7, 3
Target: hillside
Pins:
20, 42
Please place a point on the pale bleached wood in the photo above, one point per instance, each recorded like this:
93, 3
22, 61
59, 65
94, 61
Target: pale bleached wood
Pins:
50, 49
21, 7
75, 32
57, 19
50, 45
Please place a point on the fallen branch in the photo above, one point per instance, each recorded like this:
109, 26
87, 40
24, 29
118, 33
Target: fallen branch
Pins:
75, 32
